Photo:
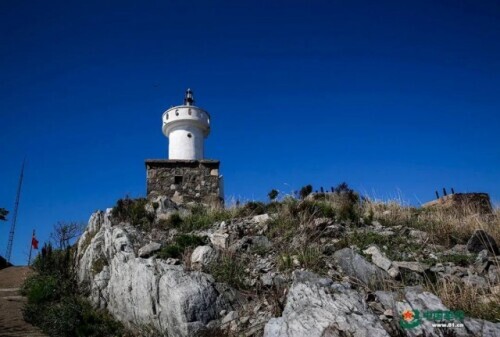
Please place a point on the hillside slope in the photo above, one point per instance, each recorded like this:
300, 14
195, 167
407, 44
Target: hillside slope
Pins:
12, 323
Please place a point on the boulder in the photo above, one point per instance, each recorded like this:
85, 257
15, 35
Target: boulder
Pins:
355, 266
481, 240
259, 242
202, 256
148, 249
378, 258
262, 218
317, 307
220, 240
321, 223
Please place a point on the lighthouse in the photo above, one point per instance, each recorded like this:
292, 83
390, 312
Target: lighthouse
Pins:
186, 176
186, 127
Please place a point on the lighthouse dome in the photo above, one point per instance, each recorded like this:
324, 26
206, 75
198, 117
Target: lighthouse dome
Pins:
186, 126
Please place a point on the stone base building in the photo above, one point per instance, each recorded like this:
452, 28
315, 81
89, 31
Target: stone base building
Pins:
186, 181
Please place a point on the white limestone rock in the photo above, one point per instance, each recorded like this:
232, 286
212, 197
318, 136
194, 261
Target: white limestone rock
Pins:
262, 218
356, 266
317, 307
140, 291
378, 258
220, 240
149, 249
202, 256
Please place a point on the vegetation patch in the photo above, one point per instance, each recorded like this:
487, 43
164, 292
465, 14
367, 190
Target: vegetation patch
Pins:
230, 269
181, 243
54, 305
134, 212
458, 296
98, 265
202, 218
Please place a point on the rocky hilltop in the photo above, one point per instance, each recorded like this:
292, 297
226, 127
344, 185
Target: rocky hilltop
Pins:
328, 265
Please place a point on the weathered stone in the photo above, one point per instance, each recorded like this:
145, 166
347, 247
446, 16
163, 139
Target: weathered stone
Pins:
230, 317
354, 265
475, 281
267, 279
259, 242
410, 265
494, 274
220, 240
418, 235
202, 256
321, 223
378, 258
161, 206
386, 298
393, 272
148, 249
261, 218
317, 307
481, 240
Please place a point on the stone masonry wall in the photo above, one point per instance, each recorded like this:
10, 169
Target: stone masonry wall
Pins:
185, 181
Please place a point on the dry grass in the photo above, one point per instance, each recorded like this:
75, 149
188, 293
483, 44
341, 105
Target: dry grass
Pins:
445, 226
474, 302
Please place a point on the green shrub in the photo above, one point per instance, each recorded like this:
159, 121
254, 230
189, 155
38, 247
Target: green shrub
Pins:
71, 316
251, 208
203, 218
318, 209
98, 265
181, 243
283, 226
133, 211
185, 240
40, 288
346, 203
56, 262
170, 251
285, 262
230, 269
305, 191
310, 258
273, 194
54, 304
173, 221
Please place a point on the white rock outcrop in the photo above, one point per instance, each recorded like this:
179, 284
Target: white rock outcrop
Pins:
317, 307
141, 291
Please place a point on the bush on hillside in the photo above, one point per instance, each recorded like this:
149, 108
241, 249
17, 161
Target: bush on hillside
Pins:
54, 305
133, 211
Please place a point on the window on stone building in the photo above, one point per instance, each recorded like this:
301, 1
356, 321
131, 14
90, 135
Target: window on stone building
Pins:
178, 180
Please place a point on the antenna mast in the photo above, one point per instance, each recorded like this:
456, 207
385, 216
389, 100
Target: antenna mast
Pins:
14, 215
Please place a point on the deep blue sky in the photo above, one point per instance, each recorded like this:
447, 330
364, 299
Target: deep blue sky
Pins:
397, 98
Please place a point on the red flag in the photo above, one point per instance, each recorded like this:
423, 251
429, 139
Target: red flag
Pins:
34, 242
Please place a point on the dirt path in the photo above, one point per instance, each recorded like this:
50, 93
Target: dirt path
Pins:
12, 323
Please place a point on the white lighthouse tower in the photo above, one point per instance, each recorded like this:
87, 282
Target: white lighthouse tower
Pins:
186, 127
186, 177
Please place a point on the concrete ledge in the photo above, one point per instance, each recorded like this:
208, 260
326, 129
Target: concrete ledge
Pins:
179, 162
